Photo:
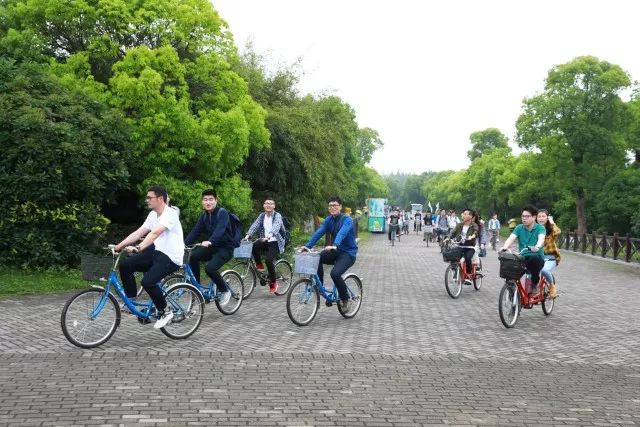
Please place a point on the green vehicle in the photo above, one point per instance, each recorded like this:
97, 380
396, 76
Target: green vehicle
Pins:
376, 222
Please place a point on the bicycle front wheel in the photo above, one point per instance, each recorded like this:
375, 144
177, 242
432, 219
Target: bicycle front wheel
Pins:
90, 318
248, 275
187, 305
303, 302
284, 276
235, 285
509, 304
354, 286
453, 280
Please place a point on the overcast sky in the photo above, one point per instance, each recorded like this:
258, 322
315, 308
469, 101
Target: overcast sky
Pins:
427, 74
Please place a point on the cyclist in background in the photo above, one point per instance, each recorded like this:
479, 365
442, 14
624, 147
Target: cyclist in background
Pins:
442, 224
341, 249
428, 222
417, 221
494, 230
467, 232
394, 222
267, 226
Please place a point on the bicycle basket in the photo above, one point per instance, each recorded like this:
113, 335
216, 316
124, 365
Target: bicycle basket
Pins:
511, 265
244, 250
307, 263
452, 254
95, 267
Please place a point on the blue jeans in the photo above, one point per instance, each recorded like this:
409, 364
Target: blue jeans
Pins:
550, 264
341, 262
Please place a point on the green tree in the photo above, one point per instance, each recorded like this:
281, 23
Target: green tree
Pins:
577, 121
484, 141
62, 153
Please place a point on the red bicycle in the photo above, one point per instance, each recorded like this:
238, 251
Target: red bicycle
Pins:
456, 272
515, 294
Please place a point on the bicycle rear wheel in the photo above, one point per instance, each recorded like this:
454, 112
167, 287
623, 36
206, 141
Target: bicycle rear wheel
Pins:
477, 280
453, 280
509, 304
187, 304
354, 286
284, 276
235, 285
547, 303
303, 302
89, 319
248, 275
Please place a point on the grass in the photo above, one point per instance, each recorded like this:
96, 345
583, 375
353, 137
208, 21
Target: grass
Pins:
15, 281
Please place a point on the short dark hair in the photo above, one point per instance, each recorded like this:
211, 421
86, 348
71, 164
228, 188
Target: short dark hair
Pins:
335, 199
269, 197
531, 209
159, 191
210, 192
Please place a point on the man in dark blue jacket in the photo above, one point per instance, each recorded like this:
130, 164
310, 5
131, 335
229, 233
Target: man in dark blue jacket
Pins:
341, 249
218, 247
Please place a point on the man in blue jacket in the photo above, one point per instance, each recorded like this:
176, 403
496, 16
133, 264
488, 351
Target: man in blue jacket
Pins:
218, 247
341, 249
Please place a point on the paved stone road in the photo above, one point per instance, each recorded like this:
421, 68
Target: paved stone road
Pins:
411, 356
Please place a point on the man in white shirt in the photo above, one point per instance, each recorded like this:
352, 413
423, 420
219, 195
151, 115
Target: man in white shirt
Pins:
158, 255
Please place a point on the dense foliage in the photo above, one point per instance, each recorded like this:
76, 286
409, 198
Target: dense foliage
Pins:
103, 98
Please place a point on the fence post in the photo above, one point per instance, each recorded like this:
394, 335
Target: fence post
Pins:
594, 242
575, 241
627, 255
566, 240
604, 245
584, 243
616, 246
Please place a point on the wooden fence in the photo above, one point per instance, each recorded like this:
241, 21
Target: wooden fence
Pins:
616, 247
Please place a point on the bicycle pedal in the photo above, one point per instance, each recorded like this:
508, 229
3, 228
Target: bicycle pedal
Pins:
207, 300
328, 304
144, 320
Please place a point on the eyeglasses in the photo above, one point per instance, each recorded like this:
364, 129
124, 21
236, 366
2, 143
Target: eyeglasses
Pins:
334, 205
151, 197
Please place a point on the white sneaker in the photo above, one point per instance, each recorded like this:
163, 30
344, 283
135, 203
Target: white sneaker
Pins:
225, 297
164, 320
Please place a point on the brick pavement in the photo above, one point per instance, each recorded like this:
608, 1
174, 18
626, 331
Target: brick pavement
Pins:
411, 356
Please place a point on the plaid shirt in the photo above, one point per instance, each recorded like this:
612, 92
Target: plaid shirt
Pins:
550, 247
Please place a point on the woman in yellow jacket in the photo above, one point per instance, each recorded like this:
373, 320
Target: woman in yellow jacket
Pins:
551, 252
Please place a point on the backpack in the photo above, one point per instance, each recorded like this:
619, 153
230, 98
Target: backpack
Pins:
285, 230
236, 229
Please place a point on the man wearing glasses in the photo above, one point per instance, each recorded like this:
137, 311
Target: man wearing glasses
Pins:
341, 248
530, 236
158, 255
267, 226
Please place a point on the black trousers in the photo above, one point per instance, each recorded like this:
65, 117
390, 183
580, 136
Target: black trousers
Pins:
155, 265
534, 264
341, 262
468, 259
261, 247
217, 257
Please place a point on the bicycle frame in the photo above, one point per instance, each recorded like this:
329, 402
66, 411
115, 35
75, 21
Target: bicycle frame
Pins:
524, 295
208, 292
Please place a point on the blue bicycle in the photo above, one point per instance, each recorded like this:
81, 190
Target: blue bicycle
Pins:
91, 317
210, 292
303, 299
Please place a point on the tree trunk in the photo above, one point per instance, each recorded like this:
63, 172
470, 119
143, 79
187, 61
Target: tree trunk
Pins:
580, 212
